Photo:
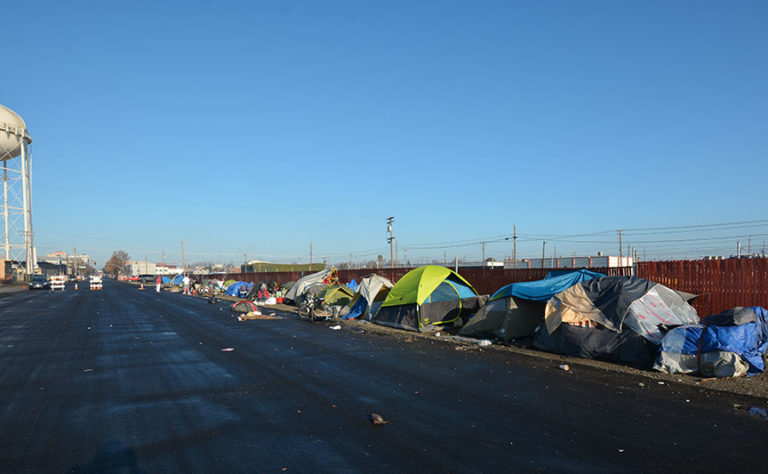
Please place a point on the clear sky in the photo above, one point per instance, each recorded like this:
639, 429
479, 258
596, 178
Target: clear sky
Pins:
258, 127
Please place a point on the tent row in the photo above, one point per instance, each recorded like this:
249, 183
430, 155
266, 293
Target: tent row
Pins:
575, 313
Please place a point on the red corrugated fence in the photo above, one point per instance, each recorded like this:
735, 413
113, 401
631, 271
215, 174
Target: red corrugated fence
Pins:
720, 284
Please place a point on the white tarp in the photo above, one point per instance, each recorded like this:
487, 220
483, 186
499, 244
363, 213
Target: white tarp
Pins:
303, 283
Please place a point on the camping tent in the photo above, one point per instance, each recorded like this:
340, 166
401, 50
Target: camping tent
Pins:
612, 318
298, 289
243, 306
427, 297
515, 310
370, 294
728, 344
234, 288
337, 295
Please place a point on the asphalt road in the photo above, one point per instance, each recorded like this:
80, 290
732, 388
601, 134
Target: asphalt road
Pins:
128, 381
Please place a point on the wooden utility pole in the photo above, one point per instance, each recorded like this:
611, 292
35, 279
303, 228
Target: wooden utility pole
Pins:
183, 260
543, 251
514, 246
390, 220
620, 253
483, 253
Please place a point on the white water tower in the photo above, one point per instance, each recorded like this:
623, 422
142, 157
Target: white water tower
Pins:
16, 242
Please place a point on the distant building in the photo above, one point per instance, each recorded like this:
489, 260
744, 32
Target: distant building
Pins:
166, 269
52, 269
600, 261
138, 267
62, 258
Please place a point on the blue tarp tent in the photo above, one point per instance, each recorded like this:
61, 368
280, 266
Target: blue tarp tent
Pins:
178, 280
731, 343
352, 285
166, 280
234, 288
543, 290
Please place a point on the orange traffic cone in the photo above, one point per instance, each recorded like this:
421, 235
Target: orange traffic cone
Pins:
75, 286
142, 286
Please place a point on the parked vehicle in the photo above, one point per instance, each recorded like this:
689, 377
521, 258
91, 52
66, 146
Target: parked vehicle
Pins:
39, 282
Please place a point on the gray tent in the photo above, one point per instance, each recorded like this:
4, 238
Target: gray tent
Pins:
505, 319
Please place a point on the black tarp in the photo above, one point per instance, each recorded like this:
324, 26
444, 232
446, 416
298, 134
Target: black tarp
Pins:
597, 343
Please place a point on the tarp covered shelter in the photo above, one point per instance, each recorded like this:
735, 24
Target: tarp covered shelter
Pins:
234, 288
543, 290
612, 318
515, 310
337, 295
371, 293
728, 344
298, 289
427, 297
352, 285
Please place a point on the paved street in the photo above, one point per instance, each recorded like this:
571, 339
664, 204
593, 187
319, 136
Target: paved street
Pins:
131, 381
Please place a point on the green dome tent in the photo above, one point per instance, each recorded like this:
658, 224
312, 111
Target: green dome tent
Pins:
427, 297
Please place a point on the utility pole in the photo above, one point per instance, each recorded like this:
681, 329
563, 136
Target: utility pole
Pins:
310, 256
77, 273
749, 246
397, 259
620, 254
514, 246
390, 220
543, 250
483, 253
183, 260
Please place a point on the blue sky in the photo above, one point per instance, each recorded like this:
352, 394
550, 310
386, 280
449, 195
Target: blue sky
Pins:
259, 127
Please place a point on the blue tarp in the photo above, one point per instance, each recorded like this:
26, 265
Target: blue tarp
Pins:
749, 340
543, 290
234, 288
166, 280
357, 309
178, 280
352, 285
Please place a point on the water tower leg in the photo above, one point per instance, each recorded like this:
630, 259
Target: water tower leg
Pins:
27, 208
5, 211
